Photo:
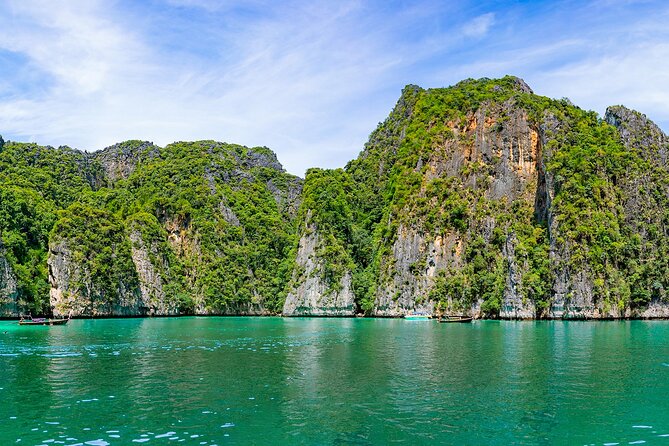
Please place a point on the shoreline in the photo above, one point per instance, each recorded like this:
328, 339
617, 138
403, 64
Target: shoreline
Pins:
278, 316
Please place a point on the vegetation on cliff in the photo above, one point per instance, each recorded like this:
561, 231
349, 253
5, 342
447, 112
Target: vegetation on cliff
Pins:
220, 214
428, 170
479, 196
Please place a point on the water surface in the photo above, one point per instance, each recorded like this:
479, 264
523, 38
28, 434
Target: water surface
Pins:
220, 381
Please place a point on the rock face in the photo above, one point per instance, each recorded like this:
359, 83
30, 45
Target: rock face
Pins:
514, 304
75, 292
499, 141
120, 160
313, 296
488, 200
151, 266
8, 294
416, 261
78, 288
192, 228
576, 294
646, 192
481, 199
637, 131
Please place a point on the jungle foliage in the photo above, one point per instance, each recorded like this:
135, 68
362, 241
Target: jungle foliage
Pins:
218, 215
224, 222
595, 229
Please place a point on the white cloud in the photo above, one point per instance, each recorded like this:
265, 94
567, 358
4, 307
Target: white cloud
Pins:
618, 60
283, 83
479, 26
635, 76
308, 79
74, 42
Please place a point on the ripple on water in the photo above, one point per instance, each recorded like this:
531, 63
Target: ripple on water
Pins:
137, 381
61, 355
166, 434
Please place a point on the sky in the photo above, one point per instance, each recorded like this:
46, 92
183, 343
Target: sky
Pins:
309, 79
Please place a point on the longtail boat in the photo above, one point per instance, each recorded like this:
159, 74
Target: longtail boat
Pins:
455, 319
42, 321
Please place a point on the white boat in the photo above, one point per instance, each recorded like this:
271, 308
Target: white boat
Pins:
417, 316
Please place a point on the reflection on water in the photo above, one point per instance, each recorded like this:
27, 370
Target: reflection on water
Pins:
209, 381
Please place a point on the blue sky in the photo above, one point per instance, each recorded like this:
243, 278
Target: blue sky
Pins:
309, 79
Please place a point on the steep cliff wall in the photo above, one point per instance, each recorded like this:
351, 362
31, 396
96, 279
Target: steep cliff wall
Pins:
158, 286
646, 211
481, 198
466, 186
8, 292
191, 228
311, 294
78, 291
35, 182
321, 280
486, 199
90, 266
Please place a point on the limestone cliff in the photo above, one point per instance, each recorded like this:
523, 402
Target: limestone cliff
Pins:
311, 294
192, 228
153, 269
645, 208
482, 198
494, 153
130, 276
78, 290
486, 199
8, 292
120, 160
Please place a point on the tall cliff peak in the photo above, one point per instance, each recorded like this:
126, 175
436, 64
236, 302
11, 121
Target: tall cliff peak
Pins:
127, 148
121, 159
483, 197
507, 82
637, 130
263, 157
520, 85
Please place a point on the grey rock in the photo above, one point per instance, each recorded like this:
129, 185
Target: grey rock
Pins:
151, 268
236, 309
510, 148
228, 214
636, 130
416, 261
262, 157
514, 305
8, 287
120, 160
310, 295
74, 292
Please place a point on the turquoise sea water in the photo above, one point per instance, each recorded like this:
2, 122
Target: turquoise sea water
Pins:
221, 381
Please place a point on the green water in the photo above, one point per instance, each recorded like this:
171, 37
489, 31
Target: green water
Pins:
220, 381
